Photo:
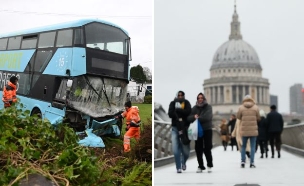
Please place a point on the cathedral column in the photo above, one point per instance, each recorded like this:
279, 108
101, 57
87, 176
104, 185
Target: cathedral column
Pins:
260, 94
231, 98
237, 93
244, 91
268, 96
219, 94
213, 95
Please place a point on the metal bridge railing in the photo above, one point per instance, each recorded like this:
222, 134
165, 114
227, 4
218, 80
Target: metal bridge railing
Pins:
163, 145
293, 138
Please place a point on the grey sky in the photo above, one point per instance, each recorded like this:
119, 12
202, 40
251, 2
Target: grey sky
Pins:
133, 15
188, 33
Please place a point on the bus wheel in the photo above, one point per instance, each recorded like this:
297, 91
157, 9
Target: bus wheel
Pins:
36, 112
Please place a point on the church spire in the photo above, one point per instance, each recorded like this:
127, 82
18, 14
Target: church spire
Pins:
235, 25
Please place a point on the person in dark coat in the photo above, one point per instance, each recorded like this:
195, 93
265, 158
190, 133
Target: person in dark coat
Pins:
231, 124
262, 137
203, 145
179, 109
275, 125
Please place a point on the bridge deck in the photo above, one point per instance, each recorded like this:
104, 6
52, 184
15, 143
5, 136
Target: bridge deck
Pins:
286, 171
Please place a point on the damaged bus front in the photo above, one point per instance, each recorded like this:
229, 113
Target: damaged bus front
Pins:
91, 104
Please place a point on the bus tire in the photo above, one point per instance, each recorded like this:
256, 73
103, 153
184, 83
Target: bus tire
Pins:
36, 111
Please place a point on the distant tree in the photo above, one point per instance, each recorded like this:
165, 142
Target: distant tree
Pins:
137, 74
148, 73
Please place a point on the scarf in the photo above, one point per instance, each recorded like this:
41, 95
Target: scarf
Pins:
201, 104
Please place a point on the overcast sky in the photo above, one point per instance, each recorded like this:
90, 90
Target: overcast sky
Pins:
188, 33
135, 16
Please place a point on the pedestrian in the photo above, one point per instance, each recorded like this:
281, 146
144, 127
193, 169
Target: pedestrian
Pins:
203, 145
224, 133
231, 124
9, 92
131, 114
249, 115
236, 134
179, 109
275, 125
262, 137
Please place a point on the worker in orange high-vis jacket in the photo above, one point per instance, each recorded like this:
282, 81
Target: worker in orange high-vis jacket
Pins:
133, 124
9, 92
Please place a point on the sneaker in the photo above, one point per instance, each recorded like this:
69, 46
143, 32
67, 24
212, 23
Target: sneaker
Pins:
209, 169
179, 170
184, 167
252, 165
199, 170
243, 165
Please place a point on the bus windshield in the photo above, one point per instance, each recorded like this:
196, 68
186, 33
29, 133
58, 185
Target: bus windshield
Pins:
107, 38
95, 96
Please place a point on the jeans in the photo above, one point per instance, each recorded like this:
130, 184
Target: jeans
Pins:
252, 148
181, 152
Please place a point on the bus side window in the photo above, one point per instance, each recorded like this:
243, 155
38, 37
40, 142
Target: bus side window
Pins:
64, 38
24, 83
14, 43
46, 40
78, 37
3, 44
29, 41
42, 59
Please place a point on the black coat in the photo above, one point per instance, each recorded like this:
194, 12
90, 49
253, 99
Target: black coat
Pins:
275, 122
205, 116
232, 125
262, 129
175, 114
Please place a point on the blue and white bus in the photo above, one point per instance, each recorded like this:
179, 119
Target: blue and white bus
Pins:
75, 71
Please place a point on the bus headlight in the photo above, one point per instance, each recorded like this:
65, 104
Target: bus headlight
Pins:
69, 83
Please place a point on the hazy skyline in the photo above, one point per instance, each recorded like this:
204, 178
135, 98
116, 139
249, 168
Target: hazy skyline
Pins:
134, 16
187, 35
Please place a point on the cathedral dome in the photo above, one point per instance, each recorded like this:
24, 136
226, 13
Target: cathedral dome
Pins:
236, 53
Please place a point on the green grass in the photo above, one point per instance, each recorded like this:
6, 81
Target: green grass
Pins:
145, 112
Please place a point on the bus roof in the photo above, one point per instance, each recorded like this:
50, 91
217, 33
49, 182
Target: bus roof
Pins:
69, 24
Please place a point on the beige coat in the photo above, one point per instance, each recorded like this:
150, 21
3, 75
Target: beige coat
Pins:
236, 133
249, 115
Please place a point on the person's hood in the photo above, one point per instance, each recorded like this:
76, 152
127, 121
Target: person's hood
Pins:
248, 102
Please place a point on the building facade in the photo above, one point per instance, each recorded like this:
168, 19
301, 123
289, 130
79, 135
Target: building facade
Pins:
296, 99
274, 101
235, 72
137, 91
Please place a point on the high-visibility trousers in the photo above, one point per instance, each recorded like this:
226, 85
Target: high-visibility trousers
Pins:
133, 132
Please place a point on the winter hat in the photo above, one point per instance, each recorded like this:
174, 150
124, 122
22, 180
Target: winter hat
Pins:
247, 97
262, 113
128, 104
13, 79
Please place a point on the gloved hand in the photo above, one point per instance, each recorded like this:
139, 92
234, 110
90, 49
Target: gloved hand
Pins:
118, 117
134, 124
127, 127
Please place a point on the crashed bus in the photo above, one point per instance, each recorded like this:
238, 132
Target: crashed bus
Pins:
77, 72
